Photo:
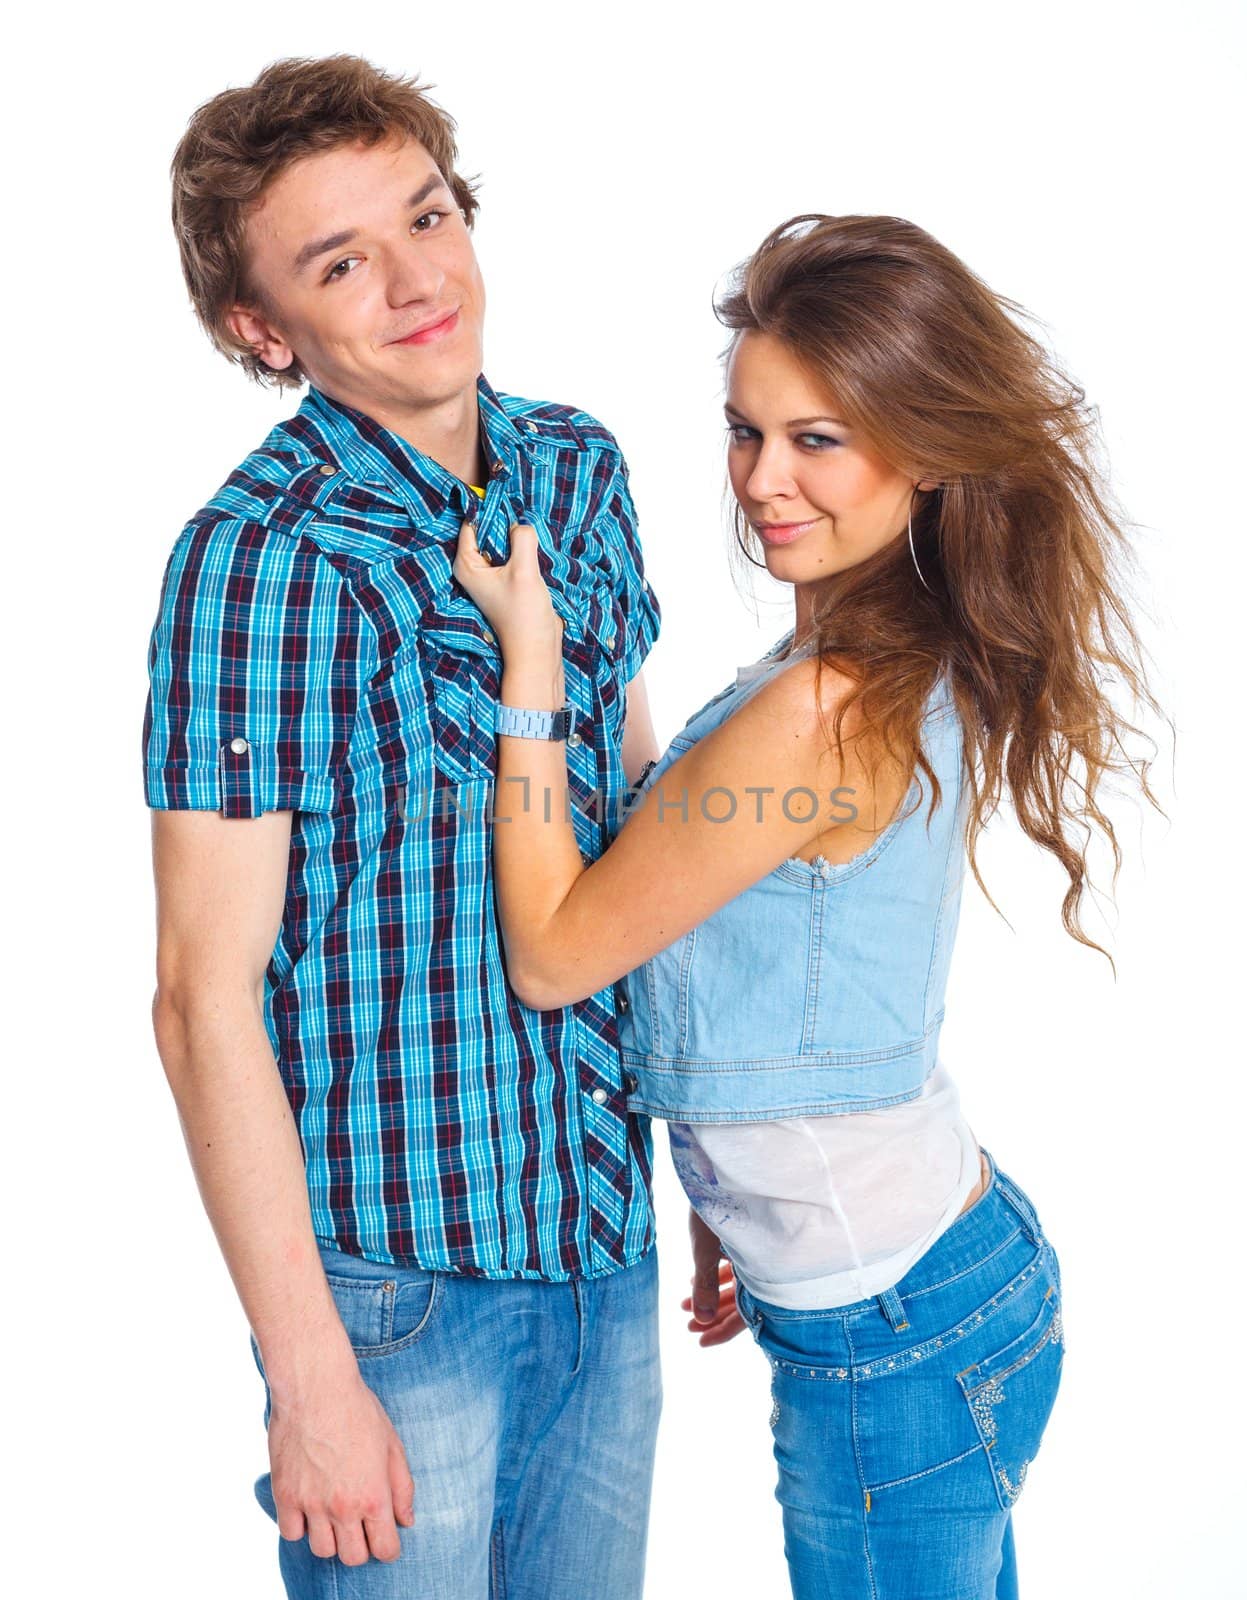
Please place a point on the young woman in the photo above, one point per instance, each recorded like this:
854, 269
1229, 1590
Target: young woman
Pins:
784, 895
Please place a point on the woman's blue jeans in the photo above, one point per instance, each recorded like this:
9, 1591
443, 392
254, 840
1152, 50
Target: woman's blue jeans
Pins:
528, 1412
904, 1426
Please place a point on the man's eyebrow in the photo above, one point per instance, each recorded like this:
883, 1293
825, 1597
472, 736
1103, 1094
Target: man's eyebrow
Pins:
335, 241
795, 422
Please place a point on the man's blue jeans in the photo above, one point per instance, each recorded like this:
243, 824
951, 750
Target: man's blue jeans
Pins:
529, 1413
904, 1425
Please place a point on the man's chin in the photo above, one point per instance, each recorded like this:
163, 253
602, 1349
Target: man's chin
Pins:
430, 383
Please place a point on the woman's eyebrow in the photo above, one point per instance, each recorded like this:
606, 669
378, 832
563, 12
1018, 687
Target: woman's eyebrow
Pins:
795, 422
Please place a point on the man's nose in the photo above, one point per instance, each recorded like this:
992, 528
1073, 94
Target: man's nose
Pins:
411, 275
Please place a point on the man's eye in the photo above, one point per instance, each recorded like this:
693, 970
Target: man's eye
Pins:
336, 271
427, 216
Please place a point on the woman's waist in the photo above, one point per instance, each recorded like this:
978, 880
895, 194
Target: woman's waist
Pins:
989, 1254
817, 1212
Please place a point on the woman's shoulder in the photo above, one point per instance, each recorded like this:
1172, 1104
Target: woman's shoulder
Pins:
802, 693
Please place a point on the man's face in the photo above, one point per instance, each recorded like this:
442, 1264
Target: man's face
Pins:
365, 270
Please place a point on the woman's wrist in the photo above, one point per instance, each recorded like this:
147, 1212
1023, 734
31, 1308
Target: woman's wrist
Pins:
532, 688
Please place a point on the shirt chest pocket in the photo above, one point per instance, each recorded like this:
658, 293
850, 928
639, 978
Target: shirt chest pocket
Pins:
460, 664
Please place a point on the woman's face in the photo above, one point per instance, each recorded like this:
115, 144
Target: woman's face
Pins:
819, 498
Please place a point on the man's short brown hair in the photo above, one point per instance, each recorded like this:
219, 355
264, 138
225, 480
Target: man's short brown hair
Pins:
238, 142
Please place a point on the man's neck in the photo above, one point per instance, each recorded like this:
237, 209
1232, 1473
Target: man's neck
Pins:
448, 432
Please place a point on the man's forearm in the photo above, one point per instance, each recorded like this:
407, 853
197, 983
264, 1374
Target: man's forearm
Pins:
245, 1152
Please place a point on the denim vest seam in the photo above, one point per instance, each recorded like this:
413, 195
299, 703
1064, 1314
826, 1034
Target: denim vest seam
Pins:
687, 956
814, 965
651, 990
829, 1060
953, 835
639, 1105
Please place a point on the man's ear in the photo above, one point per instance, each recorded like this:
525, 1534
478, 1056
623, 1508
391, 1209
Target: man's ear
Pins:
249, 327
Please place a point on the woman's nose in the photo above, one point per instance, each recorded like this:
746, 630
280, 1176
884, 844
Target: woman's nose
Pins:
771, 476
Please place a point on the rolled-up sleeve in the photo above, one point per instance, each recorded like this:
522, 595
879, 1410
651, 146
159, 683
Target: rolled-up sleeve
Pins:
633, 591
255, 664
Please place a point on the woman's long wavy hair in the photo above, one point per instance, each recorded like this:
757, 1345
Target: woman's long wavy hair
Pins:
1022, 545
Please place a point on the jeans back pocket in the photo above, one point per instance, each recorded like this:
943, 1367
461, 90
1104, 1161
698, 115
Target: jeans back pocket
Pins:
1011, 1395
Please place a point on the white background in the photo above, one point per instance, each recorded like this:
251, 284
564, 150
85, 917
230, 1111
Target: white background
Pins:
1080, 158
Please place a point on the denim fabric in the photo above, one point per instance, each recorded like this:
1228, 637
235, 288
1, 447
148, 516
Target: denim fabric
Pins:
819, 989
528, 1412
904, 1426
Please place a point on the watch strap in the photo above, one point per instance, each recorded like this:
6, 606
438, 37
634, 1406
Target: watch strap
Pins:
522, 723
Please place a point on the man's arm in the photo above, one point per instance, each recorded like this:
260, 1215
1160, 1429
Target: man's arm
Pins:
337, 1462
639, 742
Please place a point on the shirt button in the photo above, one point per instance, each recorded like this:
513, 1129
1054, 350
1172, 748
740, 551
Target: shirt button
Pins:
630, 1082
238, 746
487, 636
622, 1002
498, 470
600, 1097
574, 739
327, 472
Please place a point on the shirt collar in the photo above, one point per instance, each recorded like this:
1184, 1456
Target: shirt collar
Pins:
373, 453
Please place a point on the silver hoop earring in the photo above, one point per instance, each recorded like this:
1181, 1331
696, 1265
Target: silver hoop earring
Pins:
914, 558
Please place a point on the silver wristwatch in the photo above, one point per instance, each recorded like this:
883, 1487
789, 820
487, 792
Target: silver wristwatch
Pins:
533, 724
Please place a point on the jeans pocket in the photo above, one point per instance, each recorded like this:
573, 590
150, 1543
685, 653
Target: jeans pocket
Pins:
386, 1309
1011, 1395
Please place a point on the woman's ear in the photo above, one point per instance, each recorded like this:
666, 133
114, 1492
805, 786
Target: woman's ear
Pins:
927, 484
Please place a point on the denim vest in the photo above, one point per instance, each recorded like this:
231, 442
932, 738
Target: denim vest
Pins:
820, 989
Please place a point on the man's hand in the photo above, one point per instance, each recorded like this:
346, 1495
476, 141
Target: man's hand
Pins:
713, 1300
514, 598
339, 1467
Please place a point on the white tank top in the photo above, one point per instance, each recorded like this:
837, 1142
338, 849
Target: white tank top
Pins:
818, 1212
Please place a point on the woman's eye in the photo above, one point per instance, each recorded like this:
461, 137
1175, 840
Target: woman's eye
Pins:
738, 432
816, 441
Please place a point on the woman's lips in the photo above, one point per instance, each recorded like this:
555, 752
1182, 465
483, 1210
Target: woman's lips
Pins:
782, 532
437, 331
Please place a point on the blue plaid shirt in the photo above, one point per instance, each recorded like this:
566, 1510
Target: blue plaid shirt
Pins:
313, 653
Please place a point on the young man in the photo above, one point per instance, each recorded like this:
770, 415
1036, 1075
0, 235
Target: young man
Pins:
432, 1200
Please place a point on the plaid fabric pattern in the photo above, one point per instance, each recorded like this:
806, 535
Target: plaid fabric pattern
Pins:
312, 653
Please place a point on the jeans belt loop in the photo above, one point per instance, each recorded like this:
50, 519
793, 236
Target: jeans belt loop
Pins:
893, 1308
